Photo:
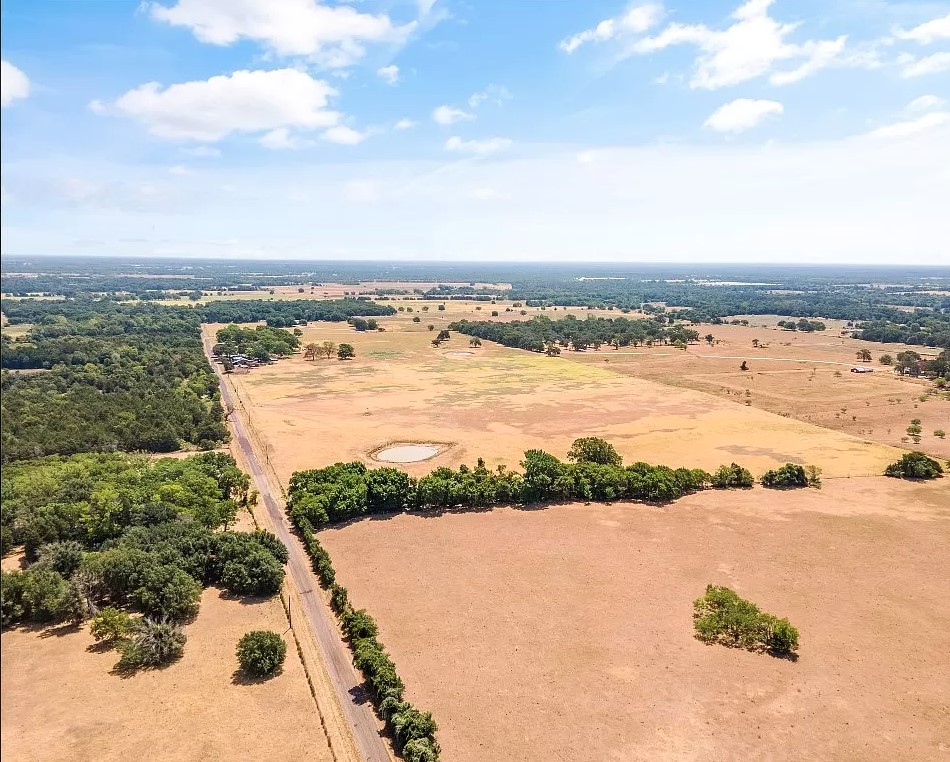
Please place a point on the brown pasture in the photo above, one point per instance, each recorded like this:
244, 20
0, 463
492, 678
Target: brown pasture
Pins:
565, 633
60, 701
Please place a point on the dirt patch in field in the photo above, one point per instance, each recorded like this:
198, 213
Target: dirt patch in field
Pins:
566, 633
60, 702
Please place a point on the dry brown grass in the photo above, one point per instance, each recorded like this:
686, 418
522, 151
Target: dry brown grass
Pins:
566, 633
60, 701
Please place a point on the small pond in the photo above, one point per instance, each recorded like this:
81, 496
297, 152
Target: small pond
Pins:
407, 453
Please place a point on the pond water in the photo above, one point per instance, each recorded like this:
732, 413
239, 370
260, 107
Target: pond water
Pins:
407, 453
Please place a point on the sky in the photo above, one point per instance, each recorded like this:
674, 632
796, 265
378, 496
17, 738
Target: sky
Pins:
801, 131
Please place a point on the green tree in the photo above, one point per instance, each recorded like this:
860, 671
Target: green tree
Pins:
594, 450
261, 653
863, 355
789, 476
732, 476
328, 348
914, 465
168, 592
346, 352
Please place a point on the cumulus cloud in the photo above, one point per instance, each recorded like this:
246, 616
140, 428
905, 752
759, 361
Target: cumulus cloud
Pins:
331, 35
344, 135
742, 114
635, 20
245, 101
179, 170
476, 147
446, 115
14, 84
496, 94
389, 74
404, 124
928, 32
912, 127
926, 103
752, 46
912, 66
281, 139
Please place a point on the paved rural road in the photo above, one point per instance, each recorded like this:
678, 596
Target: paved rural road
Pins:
371, 746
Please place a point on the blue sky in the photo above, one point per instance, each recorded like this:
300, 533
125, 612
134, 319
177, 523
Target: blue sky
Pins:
792, 130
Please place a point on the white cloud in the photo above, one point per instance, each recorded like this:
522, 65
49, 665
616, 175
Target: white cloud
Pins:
477, 147
344, 135
203, 152
496, 94
14, 84
926, 103
635, 20
389, 74
928, 32
245, 101
281, 139
180, 170
331, 35
742, 114
919, 67
489, 194
450, 115
750, 47
912, 127
404, 124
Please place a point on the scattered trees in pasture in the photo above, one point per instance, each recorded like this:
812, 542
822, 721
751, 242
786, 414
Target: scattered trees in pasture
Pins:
791, 476
345, 352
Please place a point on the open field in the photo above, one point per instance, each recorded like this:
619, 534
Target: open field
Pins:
497, 402
566, 633
803, 375
195, 709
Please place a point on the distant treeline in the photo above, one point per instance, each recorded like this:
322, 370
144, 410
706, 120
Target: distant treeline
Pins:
541, 332
346, 491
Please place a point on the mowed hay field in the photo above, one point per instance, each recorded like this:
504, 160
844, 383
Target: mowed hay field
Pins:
495, 402
60, 701
566, 633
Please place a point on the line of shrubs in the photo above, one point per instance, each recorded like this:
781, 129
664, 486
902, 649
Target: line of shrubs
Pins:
721, 616
413, 731
595, 473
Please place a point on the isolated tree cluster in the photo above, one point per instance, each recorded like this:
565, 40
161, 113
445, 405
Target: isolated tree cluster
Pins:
261, 653
915, 465
117, 533
721, 616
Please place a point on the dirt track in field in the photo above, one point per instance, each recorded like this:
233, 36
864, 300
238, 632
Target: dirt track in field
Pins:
566, 633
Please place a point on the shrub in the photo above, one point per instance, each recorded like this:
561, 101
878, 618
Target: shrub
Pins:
168, 592
721, 616
914, 465
11, 597
789, 476
111, 625
261, 653
358, 624
63, 557
257, 573
732, 476
44, 595
154, 642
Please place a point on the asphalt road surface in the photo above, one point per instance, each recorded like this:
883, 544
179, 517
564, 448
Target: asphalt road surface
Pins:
316, 615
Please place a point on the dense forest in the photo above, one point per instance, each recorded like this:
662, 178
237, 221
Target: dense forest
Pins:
123, 530
542, 334
96, 375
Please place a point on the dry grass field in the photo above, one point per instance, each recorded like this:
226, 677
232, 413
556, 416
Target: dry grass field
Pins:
195, 709
566, 633
495, 402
